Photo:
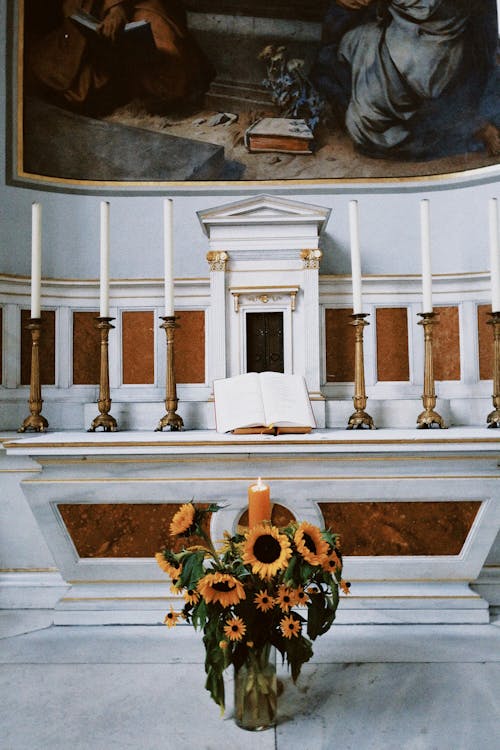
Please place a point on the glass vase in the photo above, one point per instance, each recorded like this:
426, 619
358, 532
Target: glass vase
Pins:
255, 690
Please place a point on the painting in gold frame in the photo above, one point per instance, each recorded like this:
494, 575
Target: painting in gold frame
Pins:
86, 115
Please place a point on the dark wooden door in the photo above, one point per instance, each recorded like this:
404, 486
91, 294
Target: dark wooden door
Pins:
265, 342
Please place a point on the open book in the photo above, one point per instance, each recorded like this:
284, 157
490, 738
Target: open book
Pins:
135, 32
265, 402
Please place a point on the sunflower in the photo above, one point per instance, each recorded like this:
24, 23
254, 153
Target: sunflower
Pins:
263, 601
173, 571
176, 587
235, 629
222, 588
290, 627
331, 563
310, 544
285, 598
171, 618
183, 519
301, 596
345, 586
191, 596
266, 550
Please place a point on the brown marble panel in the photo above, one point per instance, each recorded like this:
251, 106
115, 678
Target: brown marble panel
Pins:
122, 529
138, 341
446, 344
190, 347
47, 348
485, 335
401, 528
339, 336
392, 344
86, 348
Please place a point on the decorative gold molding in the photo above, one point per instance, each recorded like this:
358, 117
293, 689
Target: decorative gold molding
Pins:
311, 258
217, 260
264, 294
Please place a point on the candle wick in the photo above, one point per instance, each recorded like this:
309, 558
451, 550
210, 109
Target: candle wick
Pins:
259, 483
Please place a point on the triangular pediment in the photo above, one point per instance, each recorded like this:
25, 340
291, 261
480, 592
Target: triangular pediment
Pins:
264, 210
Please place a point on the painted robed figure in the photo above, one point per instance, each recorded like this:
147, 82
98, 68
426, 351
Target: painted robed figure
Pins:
96, 74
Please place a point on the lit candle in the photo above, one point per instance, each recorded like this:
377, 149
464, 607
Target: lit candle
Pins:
36, 258
259, 503
425, 246
494, 256
168, 248
355, 258
104, 275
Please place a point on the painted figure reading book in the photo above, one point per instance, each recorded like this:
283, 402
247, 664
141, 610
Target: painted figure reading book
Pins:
413, 78
95, 70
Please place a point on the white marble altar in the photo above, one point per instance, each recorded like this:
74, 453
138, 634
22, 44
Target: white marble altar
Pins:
459, 464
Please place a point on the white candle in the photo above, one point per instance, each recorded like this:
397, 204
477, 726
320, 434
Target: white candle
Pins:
104, 271
36, 258
168, 250
355, 258
425, 246
494, 256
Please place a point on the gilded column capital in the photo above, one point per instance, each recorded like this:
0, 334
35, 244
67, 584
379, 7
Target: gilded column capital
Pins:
311, 258
217, 260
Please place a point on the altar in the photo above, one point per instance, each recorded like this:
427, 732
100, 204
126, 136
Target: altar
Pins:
417, 511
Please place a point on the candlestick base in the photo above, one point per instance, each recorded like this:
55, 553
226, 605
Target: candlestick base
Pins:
360, 420
35, 421
104, 419
171, 419
493, 418
429, 419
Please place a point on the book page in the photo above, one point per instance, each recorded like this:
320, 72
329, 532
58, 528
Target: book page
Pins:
238, 402
286, 400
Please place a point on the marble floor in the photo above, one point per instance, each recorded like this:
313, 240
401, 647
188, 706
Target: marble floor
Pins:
382, 687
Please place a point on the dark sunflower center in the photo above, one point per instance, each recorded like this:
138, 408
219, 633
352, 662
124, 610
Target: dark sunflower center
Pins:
291, 625
267, 549
234, 628
309, 543
223, 586
286, 599
265, 600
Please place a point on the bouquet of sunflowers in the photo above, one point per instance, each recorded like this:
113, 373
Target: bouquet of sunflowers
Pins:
267, 587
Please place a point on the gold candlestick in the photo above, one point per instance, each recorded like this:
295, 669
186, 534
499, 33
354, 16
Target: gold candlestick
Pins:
360, 419
429, 417
104, 419
171, 419
493, 419
35, 421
